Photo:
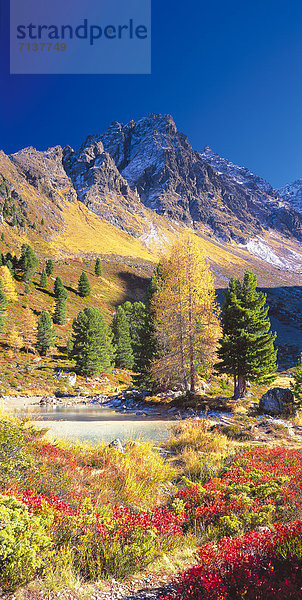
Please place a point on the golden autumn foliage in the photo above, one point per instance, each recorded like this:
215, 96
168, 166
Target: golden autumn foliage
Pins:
14, 339
186, 314
8, 284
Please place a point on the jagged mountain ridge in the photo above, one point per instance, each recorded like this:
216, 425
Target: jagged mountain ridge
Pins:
241, 175
148, 164
144, 179
292, 193
159, 168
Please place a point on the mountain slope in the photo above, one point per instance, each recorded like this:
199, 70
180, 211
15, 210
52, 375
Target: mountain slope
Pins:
128, 193
159, 164
128, 175
292, 193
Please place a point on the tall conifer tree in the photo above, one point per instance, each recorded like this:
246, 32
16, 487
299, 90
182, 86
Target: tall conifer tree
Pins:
28, 262
186, 321
58, 286
45, 333
8, 284
84, 286
91, 343
49, 267
43, 279
136, 315
148, 345
60, 307
247, 344
10, 266
122, 341
98, 267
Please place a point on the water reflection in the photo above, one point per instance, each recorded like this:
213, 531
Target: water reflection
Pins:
95, 423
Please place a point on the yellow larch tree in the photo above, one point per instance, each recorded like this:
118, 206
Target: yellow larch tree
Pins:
186, 313
8, 284
14, 339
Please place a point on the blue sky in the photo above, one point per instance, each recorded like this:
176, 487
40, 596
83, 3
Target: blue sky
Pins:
230, 73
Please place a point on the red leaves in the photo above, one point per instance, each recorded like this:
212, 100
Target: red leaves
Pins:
36, 503
258, 565
120, 521
255, 566
267, 476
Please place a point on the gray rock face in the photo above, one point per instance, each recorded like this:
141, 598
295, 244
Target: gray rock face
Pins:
45, 171
99, 184
277, 401
155, 164
150, 164
292, 193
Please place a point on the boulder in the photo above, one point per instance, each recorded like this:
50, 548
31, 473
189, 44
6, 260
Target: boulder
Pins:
277, 401
72, 379
46, 400
117, 444
203, 386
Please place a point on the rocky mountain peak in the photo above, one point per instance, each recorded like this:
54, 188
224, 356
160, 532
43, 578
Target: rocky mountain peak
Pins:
292, 193
150, 164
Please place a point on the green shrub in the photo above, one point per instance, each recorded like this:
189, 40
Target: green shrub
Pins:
14, 455
255, 519
229, 525
24, 543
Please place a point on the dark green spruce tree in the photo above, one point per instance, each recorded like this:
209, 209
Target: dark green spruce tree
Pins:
49, 267
98, 267
10, 266
43, 279
28, 262
91, 343
122, 340
84, 288
136, 315
45, 333
247, 345
60, 313
147, 346
58, 286
69, 347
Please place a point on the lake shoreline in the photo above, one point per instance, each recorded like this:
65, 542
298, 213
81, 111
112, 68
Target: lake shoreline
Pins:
124, 405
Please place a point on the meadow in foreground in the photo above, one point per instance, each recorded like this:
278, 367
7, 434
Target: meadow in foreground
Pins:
72, 514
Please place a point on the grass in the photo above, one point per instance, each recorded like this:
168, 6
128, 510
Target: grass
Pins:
139, 479
198, 451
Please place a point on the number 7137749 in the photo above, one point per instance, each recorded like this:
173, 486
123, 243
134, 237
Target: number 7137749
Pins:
42, 47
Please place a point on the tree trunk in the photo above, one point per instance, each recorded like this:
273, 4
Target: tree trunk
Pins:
240, 388
182, 353
191, 327
235, 386
191, 343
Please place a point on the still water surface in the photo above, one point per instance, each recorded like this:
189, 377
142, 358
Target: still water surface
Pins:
95, 423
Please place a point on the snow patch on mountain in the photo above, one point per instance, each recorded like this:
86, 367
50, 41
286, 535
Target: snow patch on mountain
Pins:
153, 239
286, 259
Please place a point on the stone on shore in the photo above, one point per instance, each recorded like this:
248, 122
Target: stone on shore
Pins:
277, 401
